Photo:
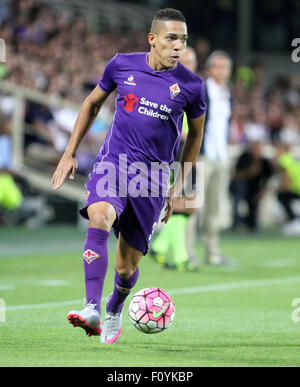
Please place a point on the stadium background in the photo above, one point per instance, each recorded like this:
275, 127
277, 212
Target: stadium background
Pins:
56, 51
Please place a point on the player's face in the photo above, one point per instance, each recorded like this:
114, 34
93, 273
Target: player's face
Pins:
168, 43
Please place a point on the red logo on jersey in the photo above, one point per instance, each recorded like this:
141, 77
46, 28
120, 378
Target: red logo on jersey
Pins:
130, 102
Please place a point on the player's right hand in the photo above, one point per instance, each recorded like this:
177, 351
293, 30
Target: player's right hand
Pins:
170, 206
67, 165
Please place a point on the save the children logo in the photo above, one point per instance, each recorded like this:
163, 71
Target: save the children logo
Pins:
130, 102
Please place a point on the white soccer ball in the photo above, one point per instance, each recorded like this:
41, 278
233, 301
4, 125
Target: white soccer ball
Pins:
151, 310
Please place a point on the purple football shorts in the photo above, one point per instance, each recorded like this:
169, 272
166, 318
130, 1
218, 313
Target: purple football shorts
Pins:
137, 217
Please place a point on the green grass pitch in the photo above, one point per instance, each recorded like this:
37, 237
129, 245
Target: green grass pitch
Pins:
239, 316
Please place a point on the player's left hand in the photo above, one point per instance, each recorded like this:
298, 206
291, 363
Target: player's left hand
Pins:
67, 165
170, 206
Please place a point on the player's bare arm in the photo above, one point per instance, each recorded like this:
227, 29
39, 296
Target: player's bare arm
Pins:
189, 155
87, 115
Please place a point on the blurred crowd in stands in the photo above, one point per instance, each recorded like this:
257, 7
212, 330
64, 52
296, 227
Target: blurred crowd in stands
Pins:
58, 55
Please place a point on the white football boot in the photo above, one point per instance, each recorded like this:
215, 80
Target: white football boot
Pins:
88, 319
112, 326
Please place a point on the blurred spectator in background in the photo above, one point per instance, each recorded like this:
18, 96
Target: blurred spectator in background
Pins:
5, 143
54, 47
10, 195
238, 122
18, 207
249, 182
45, 40
214, 151
202, 48
44, 139
289, 190
41, 118
18, 204
274, 117
65, 117
245, 77
290, 130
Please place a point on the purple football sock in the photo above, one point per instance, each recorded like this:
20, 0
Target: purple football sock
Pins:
121, 291
95, 261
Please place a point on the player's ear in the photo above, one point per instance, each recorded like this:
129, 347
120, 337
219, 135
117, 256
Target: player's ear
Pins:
151, 39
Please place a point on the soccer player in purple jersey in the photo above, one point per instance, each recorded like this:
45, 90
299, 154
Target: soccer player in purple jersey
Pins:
154, 91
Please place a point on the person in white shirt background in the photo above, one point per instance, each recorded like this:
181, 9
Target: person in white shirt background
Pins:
214, 155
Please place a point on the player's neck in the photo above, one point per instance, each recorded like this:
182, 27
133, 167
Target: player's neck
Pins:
155, 63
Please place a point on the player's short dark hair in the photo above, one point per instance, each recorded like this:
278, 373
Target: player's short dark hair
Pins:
168, 14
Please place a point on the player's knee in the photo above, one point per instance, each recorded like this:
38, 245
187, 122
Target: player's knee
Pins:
127, 271
100, 220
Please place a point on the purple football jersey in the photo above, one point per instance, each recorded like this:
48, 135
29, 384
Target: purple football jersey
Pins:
149, 107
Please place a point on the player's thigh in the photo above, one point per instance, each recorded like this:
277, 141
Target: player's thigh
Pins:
101, 215
128, 258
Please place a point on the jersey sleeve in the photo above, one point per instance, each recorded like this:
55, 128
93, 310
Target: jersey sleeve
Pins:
108, 82
196, 107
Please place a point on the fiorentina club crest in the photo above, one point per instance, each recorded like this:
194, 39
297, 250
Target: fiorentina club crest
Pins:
174, 90
90, 256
